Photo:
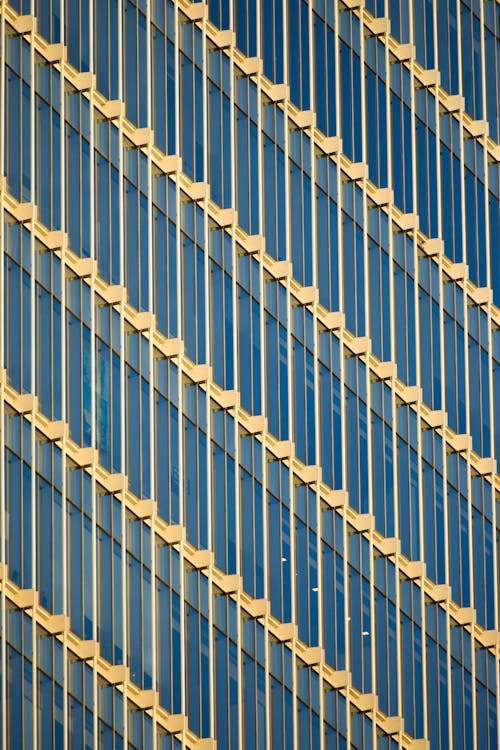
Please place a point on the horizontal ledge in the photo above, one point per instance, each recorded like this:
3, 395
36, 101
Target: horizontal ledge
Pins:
433, 246
113, 109
464, 615
309, 474
457, 271
199, 373
56, 430
169, 164
113, 294
207, 743
389, 546
333, 320
116, 483
197, 191
481, 295
356, 170
224, 38
453, 102
254, 424
55, 53
281, 448
279, 269
403, 52
140, 137
382, 196
436, 418
253, 243
26, 24
258, 608
359, 344
55, 240
338, 678
144, 321
413, 569
201, 558
82, 81
363, 522
429, 77
407, 222
487, 465
250, 65
337, 499
410, 394
227, 399
169, 347
228, 583
312, 655
25, 402
195, 11
306, 295
277, 92
331, 144
24, 212
477, 128
84, 457
305, 118
171, 533
285, 631
460, 443
385, 370
392, 725
378, 26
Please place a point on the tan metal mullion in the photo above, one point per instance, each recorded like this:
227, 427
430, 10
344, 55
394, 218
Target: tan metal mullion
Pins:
317, 459
93, 438
180, 384
467, 399
34, 534
293, 584
340, 196
262, 338
3, 372
235, 384
418, 447
420, 425
467, 304
494, 451
394, 427
152, 430
207, 237
121, 210
367, 331
64, 368
443, 367
206, 241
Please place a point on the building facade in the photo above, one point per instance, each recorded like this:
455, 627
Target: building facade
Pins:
250, 374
